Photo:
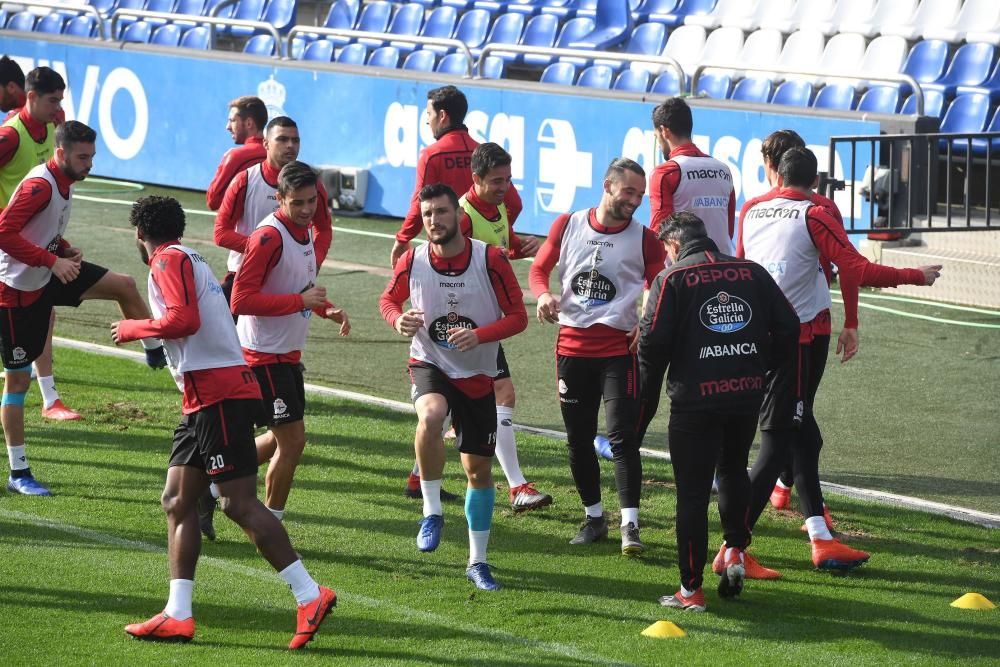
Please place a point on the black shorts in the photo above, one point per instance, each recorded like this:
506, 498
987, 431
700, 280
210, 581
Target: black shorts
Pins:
284, 392
503, 370
219, 440
791, 389
24, 330
474, 419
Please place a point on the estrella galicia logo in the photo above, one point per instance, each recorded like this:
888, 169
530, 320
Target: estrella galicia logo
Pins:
439, 328
591, 288
725, 313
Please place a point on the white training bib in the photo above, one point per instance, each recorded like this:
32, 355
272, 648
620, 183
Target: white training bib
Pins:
703, 189
45, 230
261, 201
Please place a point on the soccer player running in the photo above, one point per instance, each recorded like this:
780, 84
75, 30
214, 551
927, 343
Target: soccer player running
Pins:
604, 257
275, 295
39, 269
214, 440
719, 324
245, 123
464, 298
789, 234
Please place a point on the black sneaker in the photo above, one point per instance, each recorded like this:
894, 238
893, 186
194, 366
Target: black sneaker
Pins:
206, 512
591, 530
631, 544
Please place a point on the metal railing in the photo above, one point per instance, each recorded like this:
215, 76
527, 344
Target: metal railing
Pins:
579, 53
890, 78
81, 7
904, 175
211, 21
381, 37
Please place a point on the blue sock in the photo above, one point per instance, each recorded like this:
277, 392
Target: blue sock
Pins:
479, 508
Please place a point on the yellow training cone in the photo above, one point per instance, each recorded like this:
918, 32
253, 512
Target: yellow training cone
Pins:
663, 629
972, 601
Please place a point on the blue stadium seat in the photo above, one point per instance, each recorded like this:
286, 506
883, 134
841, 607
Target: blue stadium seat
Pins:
632, 80
493, 67
386, 56
793, 93
167, 6
321, 50
375, 16
933, 104
189, 8
281, 14
472, 28
572, 9
647, 39
596, 76
196, 38
22, 22
422, 61
560, 73
353, 54
533, 7
989, 87
342, 16
714, 85
667, 83
612, 26
879, 99
441, 24
408, 20
458, 5
684, 8
925, 62
970, 67
246, 10
540, 31
51, 23
210, 6
968, 113
124, 21
839, 96
166, 35
104, 7
647, 9
138, 32
752, 89
454, 63
506, 30
979, 145
260, 45
571, 30
81, 26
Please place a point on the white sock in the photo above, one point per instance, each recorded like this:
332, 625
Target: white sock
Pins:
478, 539
278, 514
630, 515
179, 602
686, 593
781, 484
304, 587
506, 449
151, 343
431, 490
214, 490
729, 554
47, 385
18, 460
816, 525
595, 510
416, 469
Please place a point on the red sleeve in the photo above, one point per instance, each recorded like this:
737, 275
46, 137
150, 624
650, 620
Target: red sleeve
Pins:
263, 253
224, 173
173, 274
229, 215
322, 225
547, 257
732, 213
31, 196
661, 193
509, 296
9, 141
397, 291
512, 198
412, 225
653, 254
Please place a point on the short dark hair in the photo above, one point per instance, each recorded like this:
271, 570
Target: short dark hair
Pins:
280, 121
488, 157
436, 190
451, 100
11, 72
675, 115
295, 175
798, 168
251, 107
158, 218
683, 226
777, 143
44, 81
619, 166
74, 132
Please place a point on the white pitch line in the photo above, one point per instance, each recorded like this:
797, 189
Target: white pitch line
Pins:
430, 618
953, 511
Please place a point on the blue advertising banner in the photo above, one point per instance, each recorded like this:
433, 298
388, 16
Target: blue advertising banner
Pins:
160, 119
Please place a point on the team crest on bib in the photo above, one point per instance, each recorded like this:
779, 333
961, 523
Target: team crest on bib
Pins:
439, 327
279, 407
725, 313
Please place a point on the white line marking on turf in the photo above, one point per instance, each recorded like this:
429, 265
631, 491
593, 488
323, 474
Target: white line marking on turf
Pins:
908, 502
430, 618
917, 316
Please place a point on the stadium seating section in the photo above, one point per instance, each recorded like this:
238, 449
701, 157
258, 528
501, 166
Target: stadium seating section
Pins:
949, 47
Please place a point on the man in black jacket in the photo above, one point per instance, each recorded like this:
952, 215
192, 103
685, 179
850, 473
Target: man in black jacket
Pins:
720, 324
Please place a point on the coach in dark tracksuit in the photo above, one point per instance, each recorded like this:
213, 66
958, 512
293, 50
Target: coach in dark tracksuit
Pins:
719, 323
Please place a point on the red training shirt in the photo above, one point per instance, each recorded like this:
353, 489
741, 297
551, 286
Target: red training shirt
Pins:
236, 159
663, 183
